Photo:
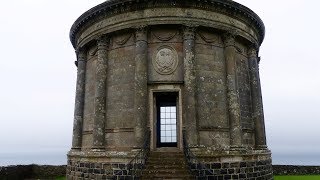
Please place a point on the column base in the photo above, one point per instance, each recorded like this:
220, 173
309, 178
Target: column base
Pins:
237, 148
98, 149
76, 149
261, 147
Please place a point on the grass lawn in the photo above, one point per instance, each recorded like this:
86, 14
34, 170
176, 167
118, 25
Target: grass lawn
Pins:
60, 178
307, 177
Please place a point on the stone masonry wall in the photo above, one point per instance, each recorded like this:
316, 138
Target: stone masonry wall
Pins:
88, 112
295, 170
100, 171
244, 95
120, 91
211, 92
249, 170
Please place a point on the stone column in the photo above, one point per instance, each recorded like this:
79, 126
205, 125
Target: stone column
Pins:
100, 95
190, 85
79, 102
141, 85
257, 108
232, 92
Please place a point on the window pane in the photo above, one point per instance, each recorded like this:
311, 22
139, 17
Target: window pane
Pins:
167, 109
168, 127
168, 139
168, 133
173, 109
173, 133
163, 139
173, 121
162, 109
168, 115
162, 133
163, 127
172, 115
162, 115
174, 139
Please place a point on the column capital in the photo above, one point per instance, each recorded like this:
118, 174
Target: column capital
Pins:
253, 50
141, 32
81, 54
103, 42
189, 31
229, 38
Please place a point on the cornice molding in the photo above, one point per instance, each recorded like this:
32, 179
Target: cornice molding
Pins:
114, 7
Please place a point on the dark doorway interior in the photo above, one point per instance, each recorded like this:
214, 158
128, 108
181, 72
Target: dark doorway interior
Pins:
166, 119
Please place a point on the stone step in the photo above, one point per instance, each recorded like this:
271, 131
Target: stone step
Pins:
166, 165
166, 171
171, 178
167, 155
164, 161
167, 176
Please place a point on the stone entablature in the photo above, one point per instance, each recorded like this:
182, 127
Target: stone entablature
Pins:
222, 12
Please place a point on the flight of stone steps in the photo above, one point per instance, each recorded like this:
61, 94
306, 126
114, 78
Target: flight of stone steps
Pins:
166, 163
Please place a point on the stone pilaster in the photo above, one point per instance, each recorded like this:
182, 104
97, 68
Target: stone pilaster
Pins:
232, 92
257, 107
190, 85
79, 102
100, 95
141, 83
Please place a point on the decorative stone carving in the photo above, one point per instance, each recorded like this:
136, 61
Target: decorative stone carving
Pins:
208, 37
189, 32
122, 39
164, 35
93, 51
141, 33
253, 51
229, 38
165, 60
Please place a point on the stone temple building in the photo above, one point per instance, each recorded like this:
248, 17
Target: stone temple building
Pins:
168, 89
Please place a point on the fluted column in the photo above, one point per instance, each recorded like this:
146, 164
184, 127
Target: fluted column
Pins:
257, 107
190, 85
232, 92
79, 102
140, 85
100, 95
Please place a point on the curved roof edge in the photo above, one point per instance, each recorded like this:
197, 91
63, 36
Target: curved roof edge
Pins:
108, 7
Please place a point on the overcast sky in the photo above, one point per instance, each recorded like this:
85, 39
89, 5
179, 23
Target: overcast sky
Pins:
38, 75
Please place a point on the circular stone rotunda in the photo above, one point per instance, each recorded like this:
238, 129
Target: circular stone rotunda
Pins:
168, 89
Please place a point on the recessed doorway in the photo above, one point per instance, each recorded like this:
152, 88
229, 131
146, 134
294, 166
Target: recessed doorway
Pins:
166, 117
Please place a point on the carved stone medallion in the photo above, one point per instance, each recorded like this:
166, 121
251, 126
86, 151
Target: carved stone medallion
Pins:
165, 60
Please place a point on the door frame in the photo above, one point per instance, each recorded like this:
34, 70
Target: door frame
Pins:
153, 113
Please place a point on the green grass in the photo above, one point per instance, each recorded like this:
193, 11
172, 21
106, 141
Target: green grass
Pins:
60, 178
306, 177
